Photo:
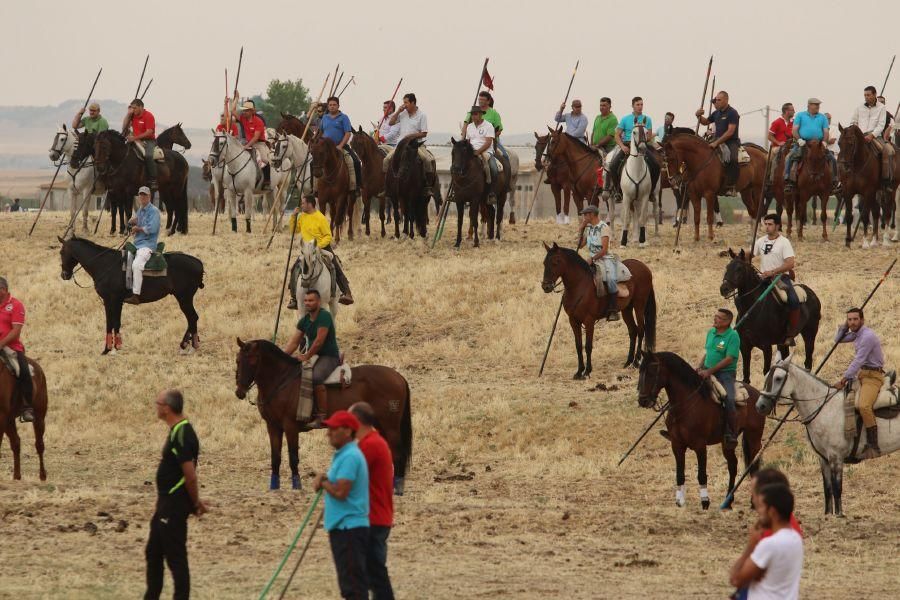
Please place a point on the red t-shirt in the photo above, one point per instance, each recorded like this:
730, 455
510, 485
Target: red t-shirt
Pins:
781, 129
145, 122
252, 125
381, 479
234, 128
795, 525
12, 312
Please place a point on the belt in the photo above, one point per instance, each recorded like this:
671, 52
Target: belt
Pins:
877, 369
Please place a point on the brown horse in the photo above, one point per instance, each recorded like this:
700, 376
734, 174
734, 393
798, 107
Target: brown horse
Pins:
11, 405
558, 176
333, 182
469, 186
695, 420
704, 175
813, 180
294, 126
277, 377
581, 163
372, 184
406, 189
584, 308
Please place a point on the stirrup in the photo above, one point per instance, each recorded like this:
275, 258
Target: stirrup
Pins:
612, 315
316, 421
27, 415
133, 299
790, 341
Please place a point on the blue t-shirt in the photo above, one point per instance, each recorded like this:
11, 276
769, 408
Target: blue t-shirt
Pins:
334, 128
811, 127
350, 464
627, 125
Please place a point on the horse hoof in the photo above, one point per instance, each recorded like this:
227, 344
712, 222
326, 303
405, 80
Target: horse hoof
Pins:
679, 503
295, 482
399, 485
275, 482
578, 376
642, 245
704, 504
186, 351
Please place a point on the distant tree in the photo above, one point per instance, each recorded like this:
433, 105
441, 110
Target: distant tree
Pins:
283, 96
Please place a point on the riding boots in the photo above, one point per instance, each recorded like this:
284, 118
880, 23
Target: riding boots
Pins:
872, 450
26, 388
793, 327
234, 224
321, 411
612, 309
248, 226
729, 437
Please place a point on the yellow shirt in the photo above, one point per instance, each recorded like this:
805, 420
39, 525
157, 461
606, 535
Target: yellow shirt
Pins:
312, 226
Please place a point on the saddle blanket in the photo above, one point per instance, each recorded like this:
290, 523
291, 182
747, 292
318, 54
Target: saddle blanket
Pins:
155, 267
741, 395
888, 396
9, 358
622, 275
158, 155
781, 292
743, 156
341, 376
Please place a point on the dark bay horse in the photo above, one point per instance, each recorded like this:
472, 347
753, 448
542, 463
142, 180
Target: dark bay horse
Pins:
333, 182
122, 171
372, 184
10, 406
104, 265
294, 126
813, 180
584, 308
177, 214
695, 419
704, 175
767, 324
406, 189
276, 376
558, 175
469, 185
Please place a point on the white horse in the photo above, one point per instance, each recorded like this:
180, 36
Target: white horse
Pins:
83, 181
821, 410
240, 174
636, 185
217, 171
288, 155
313, 274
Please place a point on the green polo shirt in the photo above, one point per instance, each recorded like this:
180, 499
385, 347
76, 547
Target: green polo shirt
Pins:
94, 125
492, 117
310, 329
720, 345
605, 126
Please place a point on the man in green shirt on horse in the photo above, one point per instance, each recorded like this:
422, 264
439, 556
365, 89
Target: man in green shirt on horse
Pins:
93, 123
723, 346
603, 135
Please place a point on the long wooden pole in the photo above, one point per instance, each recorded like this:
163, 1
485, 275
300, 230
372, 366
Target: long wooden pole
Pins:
383, 117
144, 93
61, 161
705, 87
763, 205
346, 85
886, 77
137, 91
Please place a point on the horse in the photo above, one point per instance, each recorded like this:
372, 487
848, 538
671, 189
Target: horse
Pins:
469, 185
312, 274
184, 277
332, 182
122, 171
293, 125
859, 168
10, 407
405, 188
813, 180
289, 154
559, 178
582, 164
695, 419
216, 199
510, 162
704, 175
242, 178
167, 140
77, 147
372, 185
584, 308
637, 187
767, 324
820, 408
277, 377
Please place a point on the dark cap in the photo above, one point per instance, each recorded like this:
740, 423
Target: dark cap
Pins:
476, 109
589, 209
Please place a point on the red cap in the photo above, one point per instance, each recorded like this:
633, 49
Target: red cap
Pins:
341, 418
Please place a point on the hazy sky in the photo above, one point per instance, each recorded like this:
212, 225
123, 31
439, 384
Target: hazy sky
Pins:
764, 53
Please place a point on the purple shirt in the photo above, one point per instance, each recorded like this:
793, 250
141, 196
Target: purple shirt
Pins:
868, 349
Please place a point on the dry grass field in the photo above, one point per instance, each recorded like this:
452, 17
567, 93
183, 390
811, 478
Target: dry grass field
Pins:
514, 490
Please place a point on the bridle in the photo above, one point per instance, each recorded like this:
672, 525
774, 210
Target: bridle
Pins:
61, 139
657, 388
774, 396
736, 288
641, 145
285, 379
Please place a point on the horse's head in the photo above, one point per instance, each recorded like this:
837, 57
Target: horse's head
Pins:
816, 158
407, 153
309, 254
179, 137
540, 145
289, 124
60, 141
639, 138
248, 359
108, 146
460, 155
554, 265
219, 142
279, 149
319, 150
850, 142
84, 147
739, 274
207, 170
651, 379
779, 384
67, 258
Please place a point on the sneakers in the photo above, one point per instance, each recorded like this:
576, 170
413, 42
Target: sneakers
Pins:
27, 415
346, 299
133, 299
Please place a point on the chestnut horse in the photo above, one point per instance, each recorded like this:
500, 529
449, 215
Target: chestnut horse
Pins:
704, 175
10, 407
584, 308
558, 176
581, 163
332, 182
277, 377
294, 126
372, 184
813, 180
694, 420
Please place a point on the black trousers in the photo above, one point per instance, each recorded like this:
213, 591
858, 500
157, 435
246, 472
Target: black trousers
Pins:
342, 282
348, 548
168, 541
376, 563
26, 385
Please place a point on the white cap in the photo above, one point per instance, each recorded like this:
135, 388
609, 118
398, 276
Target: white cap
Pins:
144, 190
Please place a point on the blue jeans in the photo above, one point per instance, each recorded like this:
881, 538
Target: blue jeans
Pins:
348, 548
794, 154
495, 170
611, 279
792, 299
726, 378
376, 563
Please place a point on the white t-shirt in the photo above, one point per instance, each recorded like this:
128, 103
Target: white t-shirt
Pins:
772, 253
479, 134
409, 124
390, 133
781, 555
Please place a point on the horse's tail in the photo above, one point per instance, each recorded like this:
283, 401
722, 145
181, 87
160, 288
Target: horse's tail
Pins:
650, 321
401, 464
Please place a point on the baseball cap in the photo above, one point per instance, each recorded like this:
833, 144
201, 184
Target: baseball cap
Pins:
341, 418
144, 190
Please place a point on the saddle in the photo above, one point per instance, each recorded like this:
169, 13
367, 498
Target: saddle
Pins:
781, 292
724, 154
622, 275
155, 267
11, 361
741, 395
158, 154
888, 396
342, 376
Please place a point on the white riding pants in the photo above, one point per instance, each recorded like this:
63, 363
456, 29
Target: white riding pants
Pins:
137, 269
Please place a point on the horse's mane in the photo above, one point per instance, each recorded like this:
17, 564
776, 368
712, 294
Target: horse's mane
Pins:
755, 146
579, 142
573, 256
90, 244
683, 371
112, 133
679, 130
275, 351
686, 135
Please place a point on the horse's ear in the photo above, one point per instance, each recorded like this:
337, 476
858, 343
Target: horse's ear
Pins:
452, 140
840, 127
731, 253
283, 116
555, 246
536, 136
179, 124
240, 343
546, 247
743, 254
549, 129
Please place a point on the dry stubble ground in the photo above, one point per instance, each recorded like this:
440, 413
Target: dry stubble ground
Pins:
514, 489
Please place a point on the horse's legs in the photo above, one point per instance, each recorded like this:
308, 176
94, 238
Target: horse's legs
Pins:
837, 485
293, 441
473, 219
110, 327
824, 218
827, 485
732, 461
39, 444
501, 204
275, 433
696, 199
396, 210
576, 331
701, 476
746, 352
381, 211
588, 346
117, 322
460, 215
809, 331
628, 317
711, 204
16, 444
557, 199
679, 451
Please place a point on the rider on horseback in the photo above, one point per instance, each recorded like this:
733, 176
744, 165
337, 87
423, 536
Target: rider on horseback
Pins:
311, 224
868, 368
595, 234
616, 158
143, 132
255, 133
145, 228
726, 120
12, 320
777, 257
388, 134
809, 125
486, 103
414, 122
576, 121
871, 118
723, 346
93, 123
316, 331
222, 125
336, 126
480, 134
603, 135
